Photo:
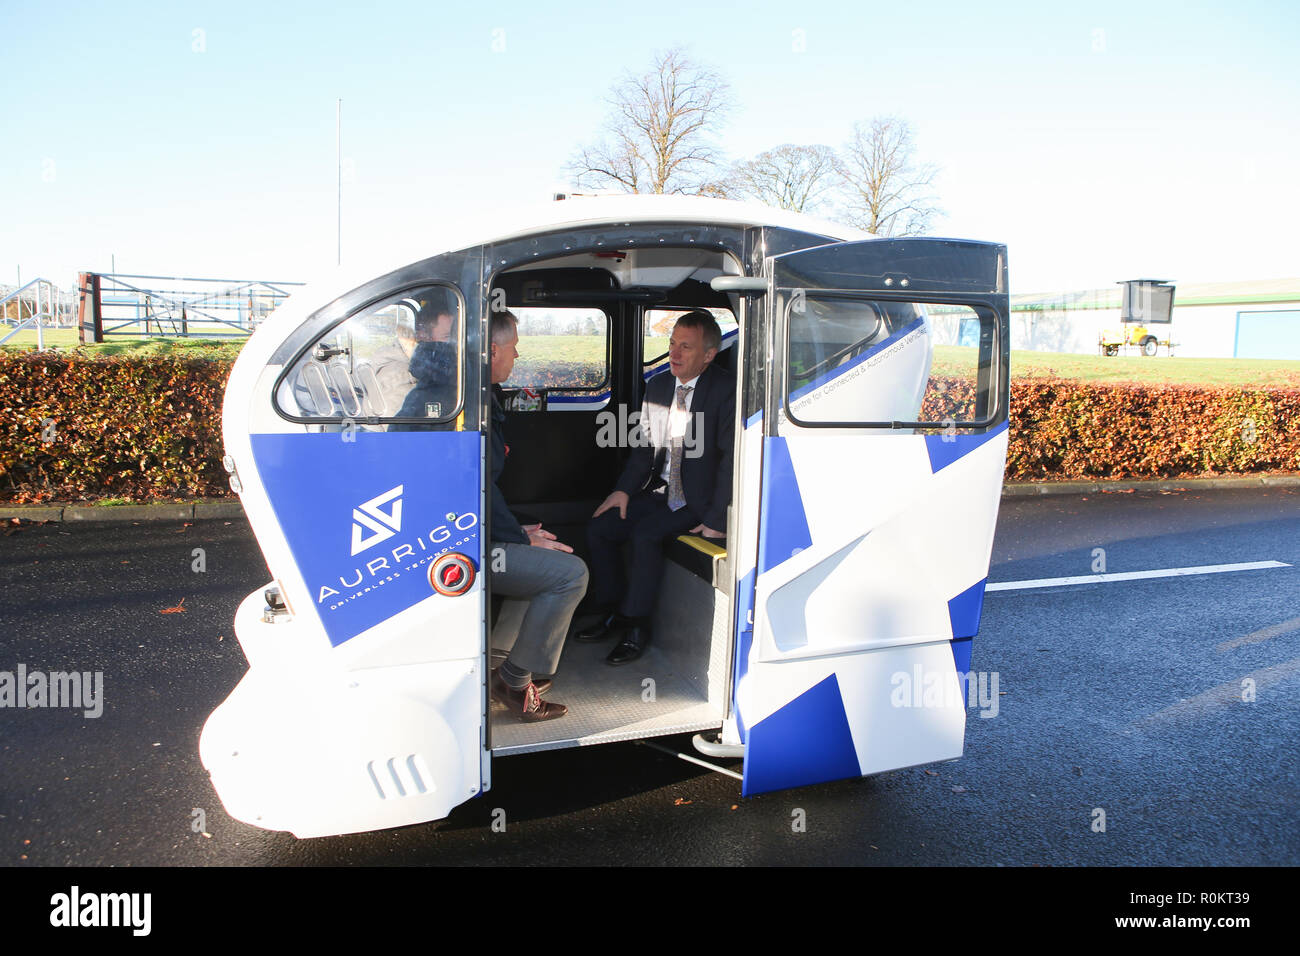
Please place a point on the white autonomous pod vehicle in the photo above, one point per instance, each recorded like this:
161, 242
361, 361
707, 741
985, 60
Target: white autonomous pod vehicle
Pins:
830, 637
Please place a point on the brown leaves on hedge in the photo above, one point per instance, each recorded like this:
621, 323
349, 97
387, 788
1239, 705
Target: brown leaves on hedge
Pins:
75, 428
1062, 429
557, 374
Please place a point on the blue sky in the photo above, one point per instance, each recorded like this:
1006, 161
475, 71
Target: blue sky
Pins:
1100, 141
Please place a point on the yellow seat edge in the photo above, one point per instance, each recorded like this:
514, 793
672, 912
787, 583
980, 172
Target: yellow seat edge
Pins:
703, 545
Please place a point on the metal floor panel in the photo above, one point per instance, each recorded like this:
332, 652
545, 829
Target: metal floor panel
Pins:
608, 704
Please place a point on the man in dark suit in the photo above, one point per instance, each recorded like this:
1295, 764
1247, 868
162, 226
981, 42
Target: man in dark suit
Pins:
678, 479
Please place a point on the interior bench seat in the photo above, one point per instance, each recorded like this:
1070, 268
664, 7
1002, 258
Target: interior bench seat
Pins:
706, 558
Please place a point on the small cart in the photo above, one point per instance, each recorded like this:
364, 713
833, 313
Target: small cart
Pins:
1146, 303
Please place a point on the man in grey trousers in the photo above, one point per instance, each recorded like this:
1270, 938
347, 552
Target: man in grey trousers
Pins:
535, 567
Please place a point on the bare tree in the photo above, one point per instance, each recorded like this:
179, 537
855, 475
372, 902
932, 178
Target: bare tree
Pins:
788, 176
657, 137
887, 191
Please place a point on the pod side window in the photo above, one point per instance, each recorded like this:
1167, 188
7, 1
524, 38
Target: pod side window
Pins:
397, 363
868, 362
563, 354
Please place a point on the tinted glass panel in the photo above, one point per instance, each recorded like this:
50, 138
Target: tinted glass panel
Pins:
854, 360
659, 328
399, 359
565, 349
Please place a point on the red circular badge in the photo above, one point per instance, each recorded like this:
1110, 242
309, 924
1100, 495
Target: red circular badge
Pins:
452, 574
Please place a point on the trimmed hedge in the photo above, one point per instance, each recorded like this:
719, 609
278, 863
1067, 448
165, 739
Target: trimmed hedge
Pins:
74, 428
1064, 429
559, 374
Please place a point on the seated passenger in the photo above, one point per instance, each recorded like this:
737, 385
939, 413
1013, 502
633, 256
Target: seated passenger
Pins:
678, 481
431, 368
528, 564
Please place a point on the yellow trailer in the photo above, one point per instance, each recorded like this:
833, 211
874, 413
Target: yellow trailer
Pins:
1110, 341
1146, 303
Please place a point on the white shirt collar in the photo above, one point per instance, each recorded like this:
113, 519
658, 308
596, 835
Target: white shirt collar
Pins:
690, 384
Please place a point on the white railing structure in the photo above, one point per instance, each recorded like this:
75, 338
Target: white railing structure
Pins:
143, 306
45, 305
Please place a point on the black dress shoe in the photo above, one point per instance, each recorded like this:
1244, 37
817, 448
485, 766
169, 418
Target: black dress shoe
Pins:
635, 640
604, 628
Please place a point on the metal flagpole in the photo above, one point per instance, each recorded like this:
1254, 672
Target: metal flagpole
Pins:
338, 150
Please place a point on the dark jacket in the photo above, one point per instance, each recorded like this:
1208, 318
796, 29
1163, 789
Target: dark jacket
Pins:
433, 366
505, 526
706, 479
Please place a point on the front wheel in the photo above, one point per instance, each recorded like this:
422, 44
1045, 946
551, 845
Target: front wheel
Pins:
1149, 347
1112, 350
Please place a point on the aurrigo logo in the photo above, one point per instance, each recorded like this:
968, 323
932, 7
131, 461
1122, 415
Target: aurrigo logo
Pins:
371, 516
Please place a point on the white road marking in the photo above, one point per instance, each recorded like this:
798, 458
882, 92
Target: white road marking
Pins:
1226, 694
1264, 634
1132, 575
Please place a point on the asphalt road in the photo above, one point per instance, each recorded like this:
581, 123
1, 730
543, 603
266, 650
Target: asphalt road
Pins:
1123, 697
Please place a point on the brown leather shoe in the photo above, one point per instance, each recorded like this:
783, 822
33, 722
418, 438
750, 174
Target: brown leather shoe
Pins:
527, 704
